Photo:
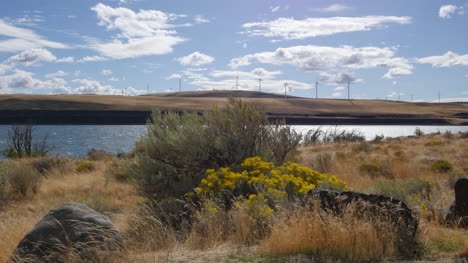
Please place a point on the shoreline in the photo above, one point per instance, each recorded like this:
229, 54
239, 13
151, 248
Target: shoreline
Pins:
118, 117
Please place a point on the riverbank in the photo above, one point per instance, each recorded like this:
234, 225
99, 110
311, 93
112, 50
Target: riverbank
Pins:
97, 109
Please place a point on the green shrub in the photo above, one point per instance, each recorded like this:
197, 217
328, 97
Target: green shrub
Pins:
98, 155
179, 147
441, 166
415, 192
118, 170
46, 164
5, 191
340, 155
323, 162
379, 138
371, 169
434, 143
464, 135
21, 179
85, 167
418, 132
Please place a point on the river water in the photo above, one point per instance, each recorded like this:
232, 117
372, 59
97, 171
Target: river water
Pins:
77, 140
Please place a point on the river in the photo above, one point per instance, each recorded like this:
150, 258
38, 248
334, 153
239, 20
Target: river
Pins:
77, 140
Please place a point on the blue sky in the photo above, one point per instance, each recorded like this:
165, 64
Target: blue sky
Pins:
385, 49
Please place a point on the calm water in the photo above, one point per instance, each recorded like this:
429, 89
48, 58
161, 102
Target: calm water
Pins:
77, 140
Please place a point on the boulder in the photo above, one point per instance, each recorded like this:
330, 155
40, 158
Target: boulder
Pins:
383, 208
70, 230
458, 212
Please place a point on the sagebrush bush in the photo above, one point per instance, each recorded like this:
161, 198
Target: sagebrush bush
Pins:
20, 179
415, 192
441, 166
118, 170
179, 147
371, 169
85, 167
98, 155
47, 164
323, 162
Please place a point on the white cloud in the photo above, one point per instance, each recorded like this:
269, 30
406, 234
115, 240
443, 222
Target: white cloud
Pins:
92, 59
66, 60
25, 80
35, 55
326, 59
174, 76
275, 9
147, 32
258, 73
4, 68
200, 19
290, 28
95, 87
106, 72
339, 78
195, 59
337, 94
333, 8
226, 80
453, 100
449, 59
250, 84
59, 73
32, 56
446, 11
20, 39
339, 88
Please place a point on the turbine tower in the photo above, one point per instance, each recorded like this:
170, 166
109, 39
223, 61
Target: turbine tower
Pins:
260, 85
316, 89
348, 88
237, 83
180, 84
285, 89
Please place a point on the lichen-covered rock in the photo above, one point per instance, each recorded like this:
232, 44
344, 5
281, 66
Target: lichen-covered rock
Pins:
458, 212
382, 208
70, 230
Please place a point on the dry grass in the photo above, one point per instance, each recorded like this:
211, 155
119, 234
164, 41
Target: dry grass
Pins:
110, 197
233, 237
326, 236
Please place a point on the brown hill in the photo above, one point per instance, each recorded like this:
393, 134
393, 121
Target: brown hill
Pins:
295, 109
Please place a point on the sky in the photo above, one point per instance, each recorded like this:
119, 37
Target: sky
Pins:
384, 49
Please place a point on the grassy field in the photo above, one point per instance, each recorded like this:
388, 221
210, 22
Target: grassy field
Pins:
401, 167
273, 104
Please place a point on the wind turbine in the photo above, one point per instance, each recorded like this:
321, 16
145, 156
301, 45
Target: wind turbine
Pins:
349, 82
260, 85
285, 89
316, 89
180, 84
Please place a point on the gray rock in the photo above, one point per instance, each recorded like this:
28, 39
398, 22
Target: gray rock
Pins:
387, 209
73, 227
458, 212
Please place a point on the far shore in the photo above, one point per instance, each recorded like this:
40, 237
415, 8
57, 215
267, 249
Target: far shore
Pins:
134, 110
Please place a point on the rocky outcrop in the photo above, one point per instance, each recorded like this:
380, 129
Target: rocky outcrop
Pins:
458, 212
381, 208
72, 230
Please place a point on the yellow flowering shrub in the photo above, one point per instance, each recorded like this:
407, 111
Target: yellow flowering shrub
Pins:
259, 186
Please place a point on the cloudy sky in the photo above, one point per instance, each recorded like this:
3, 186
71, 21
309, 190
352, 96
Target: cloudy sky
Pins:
384, 49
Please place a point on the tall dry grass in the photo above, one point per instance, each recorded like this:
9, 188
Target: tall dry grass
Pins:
345, 238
